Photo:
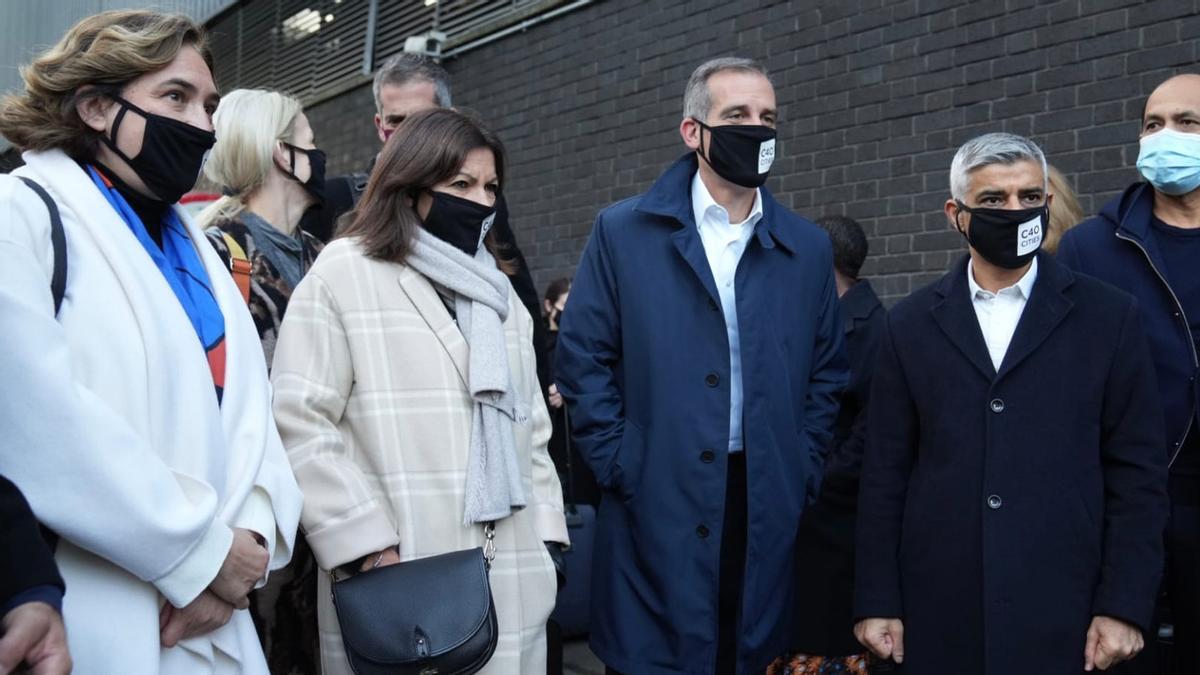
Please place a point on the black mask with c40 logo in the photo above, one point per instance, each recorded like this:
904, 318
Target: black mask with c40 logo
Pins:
740, 153
462, 223
1007, 238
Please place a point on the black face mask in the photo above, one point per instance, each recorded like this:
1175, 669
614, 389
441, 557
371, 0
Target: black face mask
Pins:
1006, 238
172, 152
459, 222
740, 153
315, 185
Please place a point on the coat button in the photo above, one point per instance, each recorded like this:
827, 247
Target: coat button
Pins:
707, 456
712, 380
994, 502
702, 532
997, 405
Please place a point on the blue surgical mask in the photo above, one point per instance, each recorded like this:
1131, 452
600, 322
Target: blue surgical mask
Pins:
1170, 160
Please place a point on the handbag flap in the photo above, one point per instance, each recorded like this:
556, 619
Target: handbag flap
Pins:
415, 610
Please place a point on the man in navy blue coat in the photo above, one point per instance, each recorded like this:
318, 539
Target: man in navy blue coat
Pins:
1147, 242
701, 358
31, 592
1013, 495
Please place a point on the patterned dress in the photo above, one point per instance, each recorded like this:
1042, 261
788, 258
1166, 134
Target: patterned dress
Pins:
269, 291
285, 611
800, 664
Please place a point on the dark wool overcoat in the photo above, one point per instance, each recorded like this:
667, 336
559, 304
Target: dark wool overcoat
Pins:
1000, 511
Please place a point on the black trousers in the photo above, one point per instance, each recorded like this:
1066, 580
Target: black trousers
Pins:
1182, 586
732, 567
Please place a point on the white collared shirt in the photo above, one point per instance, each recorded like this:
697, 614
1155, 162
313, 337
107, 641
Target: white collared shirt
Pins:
724, 244
998, 313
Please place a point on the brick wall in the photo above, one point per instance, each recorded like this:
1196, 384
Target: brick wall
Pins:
875, 97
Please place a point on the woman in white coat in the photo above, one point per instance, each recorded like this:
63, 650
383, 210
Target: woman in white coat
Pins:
137, 417
406, 389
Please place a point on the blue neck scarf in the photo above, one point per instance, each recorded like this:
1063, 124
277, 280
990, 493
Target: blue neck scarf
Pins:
179, 263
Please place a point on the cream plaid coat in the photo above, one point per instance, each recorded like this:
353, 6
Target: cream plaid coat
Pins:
372, 404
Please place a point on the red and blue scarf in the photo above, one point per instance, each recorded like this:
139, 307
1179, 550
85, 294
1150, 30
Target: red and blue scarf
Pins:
181, 266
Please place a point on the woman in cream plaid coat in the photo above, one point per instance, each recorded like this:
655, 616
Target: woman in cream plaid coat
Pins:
406, 391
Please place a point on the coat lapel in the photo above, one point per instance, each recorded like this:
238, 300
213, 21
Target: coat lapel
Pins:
955, 315
687, 241
671, 197
1044, 310
429, 305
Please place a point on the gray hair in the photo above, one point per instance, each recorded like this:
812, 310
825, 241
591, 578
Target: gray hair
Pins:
405, 67
988, 149
696, 98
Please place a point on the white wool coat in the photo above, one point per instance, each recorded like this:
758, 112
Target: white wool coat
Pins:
113, 432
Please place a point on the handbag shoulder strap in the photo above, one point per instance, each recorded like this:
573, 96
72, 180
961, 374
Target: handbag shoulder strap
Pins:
239, 265
489, 543
58, 238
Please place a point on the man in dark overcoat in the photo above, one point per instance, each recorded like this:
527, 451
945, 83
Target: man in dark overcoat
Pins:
824, 621
701, 357
31, 592
1013, 496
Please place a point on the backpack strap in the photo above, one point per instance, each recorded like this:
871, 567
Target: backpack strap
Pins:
58, 280
58, 287
239, 265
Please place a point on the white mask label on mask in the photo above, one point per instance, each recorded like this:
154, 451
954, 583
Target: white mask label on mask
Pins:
1029, 236
766, 155
486, 226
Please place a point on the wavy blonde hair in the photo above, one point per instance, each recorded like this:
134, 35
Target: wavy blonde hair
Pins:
1065, 211
248, 123
100, 55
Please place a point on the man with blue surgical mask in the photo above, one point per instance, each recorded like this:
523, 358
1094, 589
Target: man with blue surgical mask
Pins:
1147, 242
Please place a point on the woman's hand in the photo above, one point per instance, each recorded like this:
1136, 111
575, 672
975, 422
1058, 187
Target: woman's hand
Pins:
244, 565
388, 556
555, 397
204, 615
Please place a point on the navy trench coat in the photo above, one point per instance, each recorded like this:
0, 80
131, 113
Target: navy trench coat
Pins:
643, 362
1000, 511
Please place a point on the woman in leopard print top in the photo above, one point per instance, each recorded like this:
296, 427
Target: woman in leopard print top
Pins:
271, 172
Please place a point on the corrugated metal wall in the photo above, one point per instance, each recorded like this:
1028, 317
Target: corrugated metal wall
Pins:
318, 49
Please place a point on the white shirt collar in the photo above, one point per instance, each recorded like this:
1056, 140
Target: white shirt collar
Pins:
703, 205
1023, 287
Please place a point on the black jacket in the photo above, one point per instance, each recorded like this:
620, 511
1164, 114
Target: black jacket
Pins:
825, 546
1116, 246
26, 561
999, 512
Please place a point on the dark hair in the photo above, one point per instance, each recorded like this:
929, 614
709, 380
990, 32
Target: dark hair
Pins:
428, 147
849, 243
556, 288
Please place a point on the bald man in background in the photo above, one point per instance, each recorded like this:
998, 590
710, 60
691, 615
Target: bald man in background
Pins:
1147, 242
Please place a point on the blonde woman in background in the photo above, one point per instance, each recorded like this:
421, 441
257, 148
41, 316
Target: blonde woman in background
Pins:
270, 172
136, 416
1065, 212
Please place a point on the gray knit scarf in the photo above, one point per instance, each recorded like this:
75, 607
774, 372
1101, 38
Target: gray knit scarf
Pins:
493, 489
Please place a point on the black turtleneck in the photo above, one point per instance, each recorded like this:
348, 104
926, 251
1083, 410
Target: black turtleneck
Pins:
151, 211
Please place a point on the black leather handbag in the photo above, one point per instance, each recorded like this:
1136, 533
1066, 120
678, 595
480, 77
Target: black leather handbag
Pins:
431, 616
